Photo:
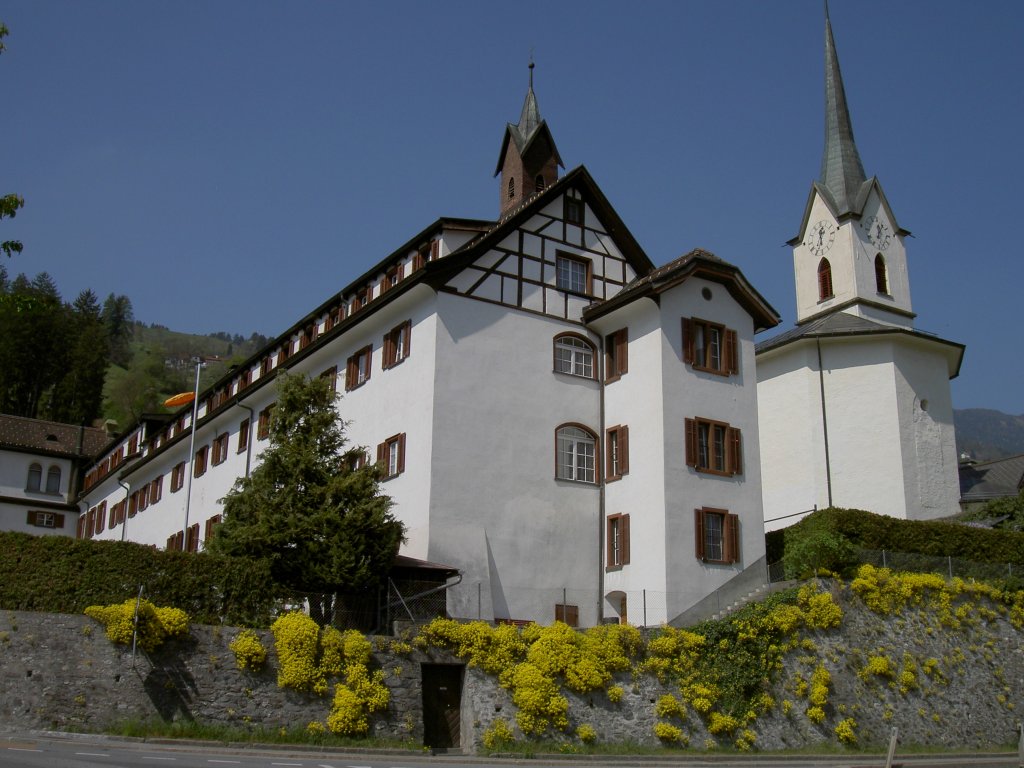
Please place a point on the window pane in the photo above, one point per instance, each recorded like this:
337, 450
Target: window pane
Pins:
35, 477
719, 448
571, 275
576, 455
53, 480
574, 356
713, 537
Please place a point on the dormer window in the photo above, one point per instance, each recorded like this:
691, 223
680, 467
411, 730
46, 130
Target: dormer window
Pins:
881, 277
824, 280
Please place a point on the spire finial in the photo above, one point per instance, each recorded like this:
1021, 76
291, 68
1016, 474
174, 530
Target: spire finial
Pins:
532, 65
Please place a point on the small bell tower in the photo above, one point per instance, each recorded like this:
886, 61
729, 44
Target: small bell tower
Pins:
849, 255
528, 161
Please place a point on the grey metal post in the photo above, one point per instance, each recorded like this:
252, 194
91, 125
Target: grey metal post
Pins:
645, 607
892, 747
950, 559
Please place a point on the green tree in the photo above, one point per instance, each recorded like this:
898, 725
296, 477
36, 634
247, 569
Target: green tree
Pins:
77, 396
119, 319
325, 528
9, 204
33, 322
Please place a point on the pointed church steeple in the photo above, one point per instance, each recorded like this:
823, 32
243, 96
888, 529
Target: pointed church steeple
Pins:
528, 161
842, 173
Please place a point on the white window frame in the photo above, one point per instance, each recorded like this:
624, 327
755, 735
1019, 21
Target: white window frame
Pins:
576, 454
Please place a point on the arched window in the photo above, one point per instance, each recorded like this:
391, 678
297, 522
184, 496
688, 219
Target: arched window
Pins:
35, 477
539, 182
881, 279
511, 188
824, 280
576, 453
574, 355
53, 480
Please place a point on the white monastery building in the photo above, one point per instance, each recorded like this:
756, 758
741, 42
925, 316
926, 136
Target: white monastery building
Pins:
854, 403
585, 436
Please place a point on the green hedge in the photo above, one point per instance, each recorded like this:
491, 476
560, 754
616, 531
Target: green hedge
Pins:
63, 575
827, 538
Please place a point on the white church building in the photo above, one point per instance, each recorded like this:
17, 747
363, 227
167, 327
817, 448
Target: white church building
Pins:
586, 436
854, 403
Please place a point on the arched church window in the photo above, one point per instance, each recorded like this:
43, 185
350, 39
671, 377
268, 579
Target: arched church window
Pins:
35, 477
824, 280
53, 480
511, 188
881, 278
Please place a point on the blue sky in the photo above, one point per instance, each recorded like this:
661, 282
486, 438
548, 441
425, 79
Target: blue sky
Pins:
229, 165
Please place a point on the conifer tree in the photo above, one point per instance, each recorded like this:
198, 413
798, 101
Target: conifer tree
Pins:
325, 527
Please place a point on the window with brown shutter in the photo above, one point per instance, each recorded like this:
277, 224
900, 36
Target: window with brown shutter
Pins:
710, 347
199, 463
391, 455
713, 447
824, 280
396, 345
177, 477
716, 535
567, 614
243, 436
331, 374
101, 516
617, 542
220, 448
357, 368
263, 425
616, 452
193, 538
616, 355
211, 523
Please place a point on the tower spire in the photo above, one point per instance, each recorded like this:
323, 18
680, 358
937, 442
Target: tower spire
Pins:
528, 161
842, 172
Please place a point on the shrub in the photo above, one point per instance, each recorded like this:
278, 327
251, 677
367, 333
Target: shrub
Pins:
498, 735
846, 731
586, 734
669, 706
670, 734
154, 624
249, 651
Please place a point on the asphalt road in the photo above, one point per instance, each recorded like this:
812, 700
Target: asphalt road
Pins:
48, 751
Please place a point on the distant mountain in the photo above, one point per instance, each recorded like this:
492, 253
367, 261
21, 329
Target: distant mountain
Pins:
985, 434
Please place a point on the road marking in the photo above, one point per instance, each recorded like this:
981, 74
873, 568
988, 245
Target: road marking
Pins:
92, 754
151, 757
231, 762
23, 749
286, 763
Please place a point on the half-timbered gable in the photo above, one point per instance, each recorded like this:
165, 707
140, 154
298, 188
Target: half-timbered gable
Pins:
559, 253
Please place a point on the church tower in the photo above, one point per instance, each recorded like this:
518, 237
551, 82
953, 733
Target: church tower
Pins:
528, 161
849, 255
854, 403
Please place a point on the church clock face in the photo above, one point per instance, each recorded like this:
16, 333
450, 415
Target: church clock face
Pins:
820, 237
877, 231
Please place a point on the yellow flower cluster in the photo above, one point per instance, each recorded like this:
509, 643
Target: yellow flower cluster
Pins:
821, 679
498, 735
722, 723
586, 734
670, 734
154, 624
536, 696
362, 694
846, 731
669, 706
249, 651
297, 641
878, 665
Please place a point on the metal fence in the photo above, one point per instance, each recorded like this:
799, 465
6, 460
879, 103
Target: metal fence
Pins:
949, 567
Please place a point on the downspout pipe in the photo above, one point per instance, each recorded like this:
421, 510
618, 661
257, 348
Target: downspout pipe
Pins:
824, 423
127, 493
248, 439
601, 495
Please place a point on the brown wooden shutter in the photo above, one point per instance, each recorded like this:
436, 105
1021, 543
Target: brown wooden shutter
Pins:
417, 262
734, 452
691, 443
58, 521
622, 351
688, 342
382, 452
401, 452
731, 351
624, 539
609, 559
408, 337
731, 545
31, 517
698, 532
435, 249
113, 517
624, 450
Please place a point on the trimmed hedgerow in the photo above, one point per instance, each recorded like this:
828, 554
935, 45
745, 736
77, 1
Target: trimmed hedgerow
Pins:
57, 574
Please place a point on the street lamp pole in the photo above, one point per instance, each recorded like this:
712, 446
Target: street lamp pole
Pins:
192, 453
